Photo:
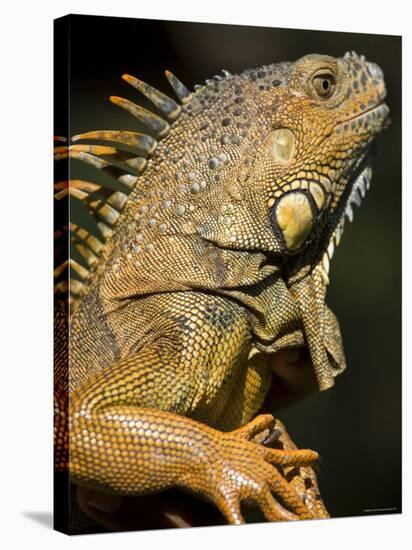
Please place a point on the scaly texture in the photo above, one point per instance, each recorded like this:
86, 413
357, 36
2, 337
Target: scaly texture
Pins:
213, 256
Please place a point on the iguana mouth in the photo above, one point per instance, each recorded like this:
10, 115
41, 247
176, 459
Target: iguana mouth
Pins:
379, 110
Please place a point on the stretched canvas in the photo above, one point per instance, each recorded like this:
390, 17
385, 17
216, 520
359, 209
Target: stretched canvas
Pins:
220, 325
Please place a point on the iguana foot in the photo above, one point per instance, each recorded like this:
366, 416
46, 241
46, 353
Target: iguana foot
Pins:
303, 478
242, 469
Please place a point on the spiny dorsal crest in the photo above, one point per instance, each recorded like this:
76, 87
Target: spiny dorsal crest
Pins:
124, 162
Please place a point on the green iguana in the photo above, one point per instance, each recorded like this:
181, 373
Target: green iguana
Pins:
213, 256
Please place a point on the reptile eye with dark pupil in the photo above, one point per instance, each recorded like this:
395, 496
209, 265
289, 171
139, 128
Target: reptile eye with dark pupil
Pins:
324, 85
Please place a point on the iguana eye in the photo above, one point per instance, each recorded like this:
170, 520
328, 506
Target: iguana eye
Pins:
324, 84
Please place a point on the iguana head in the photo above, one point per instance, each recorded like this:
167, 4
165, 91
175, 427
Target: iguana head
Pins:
325, 113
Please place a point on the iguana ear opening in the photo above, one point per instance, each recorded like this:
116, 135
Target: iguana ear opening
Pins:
282, 145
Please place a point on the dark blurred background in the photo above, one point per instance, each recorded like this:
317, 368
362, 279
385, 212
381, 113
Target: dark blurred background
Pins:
355, 426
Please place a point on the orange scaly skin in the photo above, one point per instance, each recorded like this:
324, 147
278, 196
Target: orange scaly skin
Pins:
217, 258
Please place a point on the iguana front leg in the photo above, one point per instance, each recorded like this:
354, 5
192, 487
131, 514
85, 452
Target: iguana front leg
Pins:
132, 450
128, 434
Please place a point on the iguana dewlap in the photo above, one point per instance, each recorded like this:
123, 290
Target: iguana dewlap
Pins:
214, 253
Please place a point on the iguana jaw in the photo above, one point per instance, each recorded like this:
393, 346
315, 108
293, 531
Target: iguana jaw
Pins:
317, 256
